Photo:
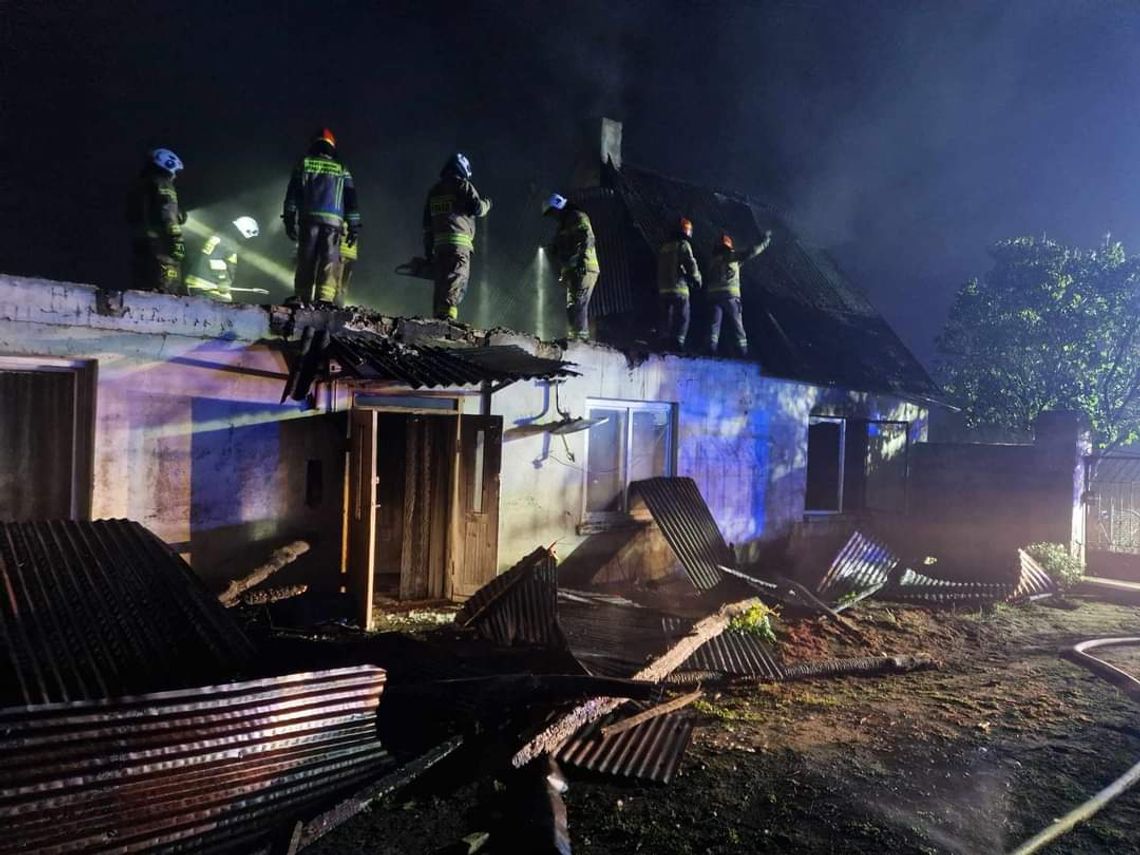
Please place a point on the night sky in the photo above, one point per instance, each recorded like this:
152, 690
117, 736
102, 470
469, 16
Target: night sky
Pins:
902, 136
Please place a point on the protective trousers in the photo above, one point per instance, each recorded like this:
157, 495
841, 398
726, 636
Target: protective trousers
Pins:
451, 266
154, 269
579, 285
674, 325
346, 267
318, 262
728, 309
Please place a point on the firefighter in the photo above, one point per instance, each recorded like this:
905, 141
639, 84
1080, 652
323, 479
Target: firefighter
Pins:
214, 270
574, 249
156, 225
348, 255
453, 204
320, 201
677, 272
724, 290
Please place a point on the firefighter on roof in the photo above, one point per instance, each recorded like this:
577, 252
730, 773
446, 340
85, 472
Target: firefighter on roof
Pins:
724, 290
677, 272
575, 250
214, 270
348, 256
320, 201
156, 222
453, 204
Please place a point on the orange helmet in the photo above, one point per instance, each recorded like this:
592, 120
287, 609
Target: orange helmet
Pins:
686, 227
325, 135
726, 240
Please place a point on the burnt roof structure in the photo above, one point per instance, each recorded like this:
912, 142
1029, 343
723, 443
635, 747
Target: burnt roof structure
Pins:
804, 320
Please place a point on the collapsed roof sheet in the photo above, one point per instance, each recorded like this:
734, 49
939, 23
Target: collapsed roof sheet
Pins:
208, 769
677, 506
97, 609
366, 355
651, 751
519, 606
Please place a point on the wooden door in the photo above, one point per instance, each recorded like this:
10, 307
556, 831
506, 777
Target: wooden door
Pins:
362, 511
480, 460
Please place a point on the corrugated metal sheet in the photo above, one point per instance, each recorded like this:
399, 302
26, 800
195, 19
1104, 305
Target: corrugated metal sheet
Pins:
735, 653
1032, 580
614, 639
210, 769
677, 506
651, 751
861, 566
374, 357
803, 317
519, 606
98, 609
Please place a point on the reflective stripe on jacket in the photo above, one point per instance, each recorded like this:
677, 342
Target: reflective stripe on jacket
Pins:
574, 243
725, 268
677, 268
213, 269
452, 206
321, 189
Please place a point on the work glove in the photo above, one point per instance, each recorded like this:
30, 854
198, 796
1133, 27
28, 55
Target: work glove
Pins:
290, 228
350, 236
177, 249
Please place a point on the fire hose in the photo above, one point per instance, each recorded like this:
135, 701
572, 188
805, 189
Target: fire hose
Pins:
1131, 686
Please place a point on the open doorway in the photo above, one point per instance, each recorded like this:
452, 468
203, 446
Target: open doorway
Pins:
423, 505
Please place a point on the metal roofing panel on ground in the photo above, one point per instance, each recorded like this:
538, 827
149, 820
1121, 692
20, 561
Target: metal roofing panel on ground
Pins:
97, 609
862, 565
651, 751
678, 507
615, 639
210, 769
739, 654
520, 606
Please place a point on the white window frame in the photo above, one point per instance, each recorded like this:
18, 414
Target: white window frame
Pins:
669, 409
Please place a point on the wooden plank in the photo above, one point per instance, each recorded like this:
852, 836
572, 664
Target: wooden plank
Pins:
651, 713
362, 518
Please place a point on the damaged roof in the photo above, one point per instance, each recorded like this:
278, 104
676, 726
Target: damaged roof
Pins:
805, 321
365, 355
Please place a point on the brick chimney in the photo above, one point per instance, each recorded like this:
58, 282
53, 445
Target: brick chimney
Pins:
600, 144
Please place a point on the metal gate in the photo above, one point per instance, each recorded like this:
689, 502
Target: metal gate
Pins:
1113, 502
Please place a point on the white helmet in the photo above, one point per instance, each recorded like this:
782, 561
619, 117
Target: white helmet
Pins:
247, 226
164, 158
554, 203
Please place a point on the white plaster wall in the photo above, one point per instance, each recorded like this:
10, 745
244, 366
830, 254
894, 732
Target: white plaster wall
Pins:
740, 435
190, 437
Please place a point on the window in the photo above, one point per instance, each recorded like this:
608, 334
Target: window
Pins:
855, 464
634, 442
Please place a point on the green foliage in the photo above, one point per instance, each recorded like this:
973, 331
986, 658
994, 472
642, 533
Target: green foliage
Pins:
1049, 327
1055, 560
757, 620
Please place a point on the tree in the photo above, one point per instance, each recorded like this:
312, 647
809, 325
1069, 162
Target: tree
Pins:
1049, 327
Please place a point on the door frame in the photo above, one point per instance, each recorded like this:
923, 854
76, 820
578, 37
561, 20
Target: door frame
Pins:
442, 404
85, 374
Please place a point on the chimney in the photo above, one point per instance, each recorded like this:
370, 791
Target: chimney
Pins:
600, 144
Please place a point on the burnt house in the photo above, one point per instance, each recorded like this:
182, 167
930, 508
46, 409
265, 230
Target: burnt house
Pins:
421, 459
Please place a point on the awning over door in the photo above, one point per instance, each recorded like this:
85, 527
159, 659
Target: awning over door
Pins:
369, 356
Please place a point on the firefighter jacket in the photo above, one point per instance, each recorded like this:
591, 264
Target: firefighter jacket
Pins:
152, 207
724, 268
321, 190
574, 243
450, 211
212, 271
677, 268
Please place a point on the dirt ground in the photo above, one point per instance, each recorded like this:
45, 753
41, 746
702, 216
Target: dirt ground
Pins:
973, 757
